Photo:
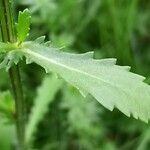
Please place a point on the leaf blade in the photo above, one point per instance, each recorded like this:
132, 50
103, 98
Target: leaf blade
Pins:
23, 25
112, 85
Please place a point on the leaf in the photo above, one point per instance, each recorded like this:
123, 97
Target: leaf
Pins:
23, 25
45, 95
6, 47
112, 85
9, 55
10, 58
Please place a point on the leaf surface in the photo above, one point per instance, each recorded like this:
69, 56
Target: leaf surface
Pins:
112, 85
23, 25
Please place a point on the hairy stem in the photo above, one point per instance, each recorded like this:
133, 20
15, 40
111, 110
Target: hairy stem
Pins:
19, 103
8, 35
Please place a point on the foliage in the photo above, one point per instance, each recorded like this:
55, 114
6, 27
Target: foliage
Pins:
23, 25
111, 28
104, 80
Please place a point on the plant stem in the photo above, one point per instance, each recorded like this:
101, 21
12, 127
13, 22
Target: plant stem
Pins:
19, 102
8, 35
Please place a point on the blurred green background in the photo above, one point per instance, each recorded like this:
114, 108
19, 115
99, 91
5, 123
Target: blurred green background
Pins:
111, 28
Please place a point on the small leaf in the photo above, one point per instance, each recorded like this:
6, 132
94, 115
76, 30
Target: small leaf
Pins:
23, 25
6, 47
10, 58
112, 85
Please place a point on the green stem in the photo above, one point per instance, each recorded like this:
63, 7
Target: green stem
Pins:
19, 102
8, 35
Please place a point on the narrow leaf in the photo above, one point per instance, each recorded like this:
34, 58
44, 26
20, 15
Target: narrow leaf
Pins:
23, 25
112, 85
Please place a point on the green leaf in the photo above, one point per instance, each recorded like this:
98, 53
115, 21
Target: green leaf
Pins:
45, 95
23, 25
112, 85
6, 47
9, 59
9, 54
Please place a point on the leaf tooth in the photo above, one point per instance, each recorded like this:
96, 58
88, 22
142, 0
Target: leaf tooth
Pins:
106, 61
124, 111
127, 113
48, 43
135, 115
142, 78
142, 118
124, 68
86, 55
145, 118
26, 10
40, 39
109, 107
127, 68
28, 60
46, 70
138, 77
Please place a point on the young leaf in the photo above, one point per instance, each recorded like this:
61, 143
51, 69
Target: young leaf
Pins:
23, 25
112, 85
8, 55
45, 95
6, 47
9, 59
